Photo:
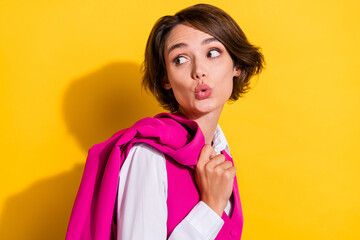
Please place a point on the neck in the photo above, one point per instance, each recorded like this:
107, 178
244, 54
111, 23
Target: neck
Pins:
207, 123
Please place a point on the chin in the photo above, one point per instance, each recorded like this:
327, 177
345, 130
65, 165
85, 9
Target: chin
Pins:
207, 107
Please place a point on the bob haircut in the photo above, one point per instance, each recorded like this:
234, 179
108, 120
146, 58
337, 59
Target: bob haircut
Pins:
213, 21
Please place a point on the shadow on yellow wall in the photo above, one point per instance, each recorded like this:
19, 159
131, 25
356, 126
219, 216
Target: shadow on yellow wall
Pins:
94, 107
105, 101
42, 210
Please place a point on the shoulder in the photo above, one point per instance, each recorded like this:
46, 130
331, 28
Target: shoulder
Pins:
145, 151
144, 160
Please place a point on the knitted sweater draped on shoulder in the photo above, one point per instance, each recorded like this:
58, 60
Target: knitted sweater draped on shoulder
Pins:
92, 216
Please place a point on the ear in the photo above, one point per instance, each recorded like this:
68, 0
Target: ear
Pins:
237, 71
167, 84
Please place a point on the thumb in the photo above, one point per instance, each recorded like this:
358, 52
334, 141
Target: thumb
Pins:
213, 153
205, 155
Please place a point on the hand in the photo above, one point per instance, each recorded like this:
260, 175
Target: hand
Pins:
215, 178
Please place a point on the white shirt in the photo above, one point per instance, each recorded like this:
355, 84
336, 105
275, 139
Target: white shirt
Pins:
142, 195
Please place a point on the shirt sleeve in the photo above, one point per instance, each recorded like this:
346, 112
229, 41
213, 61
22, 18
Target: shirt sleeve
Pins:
200, 224
141, 205
142, 194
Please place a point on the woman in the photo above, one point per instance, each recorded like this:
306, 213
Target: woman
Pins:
177, 179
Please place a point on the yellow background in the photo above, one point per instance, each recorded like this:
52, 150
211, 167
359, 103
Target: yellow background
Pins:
69, 78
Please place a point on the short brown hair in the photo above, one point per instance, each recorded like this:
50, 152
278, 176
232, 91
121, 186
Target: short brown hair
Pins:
213, 21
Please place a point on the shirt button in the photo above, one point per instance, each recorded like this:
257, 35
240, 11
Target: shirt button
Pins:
233, 233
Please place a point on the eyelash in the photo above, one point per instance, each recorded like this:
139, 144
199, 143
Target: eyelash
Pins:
180, 56
215, 49
176, 59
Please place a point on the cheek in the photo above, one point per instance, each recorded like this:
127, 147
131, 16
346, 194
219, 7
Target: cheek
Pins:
179, 88
226, 82
180, 92
229, 88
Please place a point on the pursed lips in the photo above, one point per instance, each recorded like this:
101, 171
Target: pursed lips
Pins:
202, 91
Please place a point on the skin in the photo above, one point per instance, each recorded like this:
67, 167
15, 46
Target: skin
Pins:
192, 58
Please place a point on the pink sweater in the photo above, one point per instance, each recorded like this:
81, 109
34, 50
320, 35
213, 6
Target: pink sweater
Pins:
181, 140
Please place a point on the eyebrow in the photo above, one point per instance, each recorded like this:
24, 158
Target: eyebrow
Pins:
179, 45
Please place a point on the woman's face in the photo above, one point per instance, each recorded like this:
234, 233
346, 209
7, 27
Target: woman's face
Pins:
199, 69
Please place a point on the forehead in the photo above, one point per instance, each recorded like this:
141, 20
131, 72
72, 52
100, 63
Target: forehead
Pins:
182, 33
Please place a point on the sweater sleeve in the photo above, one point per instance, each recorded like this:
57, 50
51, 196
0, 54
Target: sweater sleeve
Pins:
141, 203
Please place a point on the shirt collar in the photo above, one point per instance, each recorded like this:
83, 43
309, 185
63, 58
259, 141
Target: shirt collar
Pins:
219, 141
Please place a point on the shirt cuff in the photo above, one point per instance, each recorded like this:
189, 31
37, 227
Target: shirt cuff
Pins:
205, 220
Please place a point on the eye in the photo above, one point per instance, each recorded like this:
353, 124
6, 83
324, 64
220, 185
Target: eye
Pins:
180, 60
214, 53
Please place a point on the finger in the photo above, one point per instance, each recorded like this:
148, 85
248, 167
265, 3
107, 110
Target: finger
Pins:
205, 154
215, 161
229, 173
225, 165
213, 153
232, 171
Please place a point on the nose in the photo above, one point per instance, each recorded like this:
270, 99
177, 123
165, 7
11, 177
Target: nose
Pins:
199, 76
199, 71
